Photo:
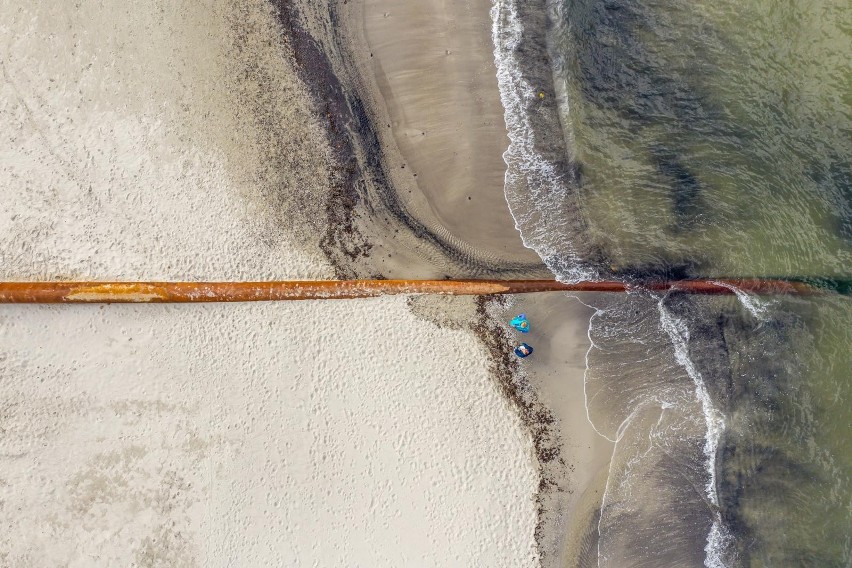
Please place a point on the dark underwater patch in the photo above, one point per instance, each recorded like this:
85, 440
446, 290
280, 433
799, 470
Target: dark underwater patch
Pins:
685, 187
838, 183
768, 483
619, 70
655, 271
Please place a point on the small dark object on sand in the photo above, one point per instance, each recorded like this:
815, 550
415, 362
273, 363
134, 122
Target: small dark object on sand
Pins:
523, 350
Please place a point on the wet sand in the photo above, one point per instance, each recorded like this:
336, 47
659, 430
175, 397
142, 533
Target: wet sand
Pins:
434, 67
427, 77
559, 327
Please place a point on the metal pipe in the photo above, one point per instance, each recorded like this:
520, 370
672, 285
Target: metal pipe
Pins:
179, 292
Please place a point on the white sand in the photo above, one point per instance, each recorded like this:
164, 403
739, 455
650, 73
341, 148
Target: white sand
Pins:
336, 433
137, 143
140, 144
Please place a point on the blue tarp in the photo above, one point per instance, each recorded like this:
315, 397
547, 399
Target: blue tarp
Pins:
521, 324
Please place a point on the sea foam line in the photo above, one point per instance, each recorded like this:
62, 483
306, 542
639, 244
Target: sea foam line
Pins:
755, 307
619, 432
592, 346
525, 165
546, 187
718, 540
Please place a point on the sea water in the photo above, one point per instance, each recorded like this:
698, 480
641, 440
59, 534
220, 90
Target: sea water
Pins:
675, 138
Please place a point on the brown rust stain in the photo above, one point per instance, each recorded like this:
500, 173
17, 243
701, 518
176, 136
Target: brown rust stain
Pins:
116, 292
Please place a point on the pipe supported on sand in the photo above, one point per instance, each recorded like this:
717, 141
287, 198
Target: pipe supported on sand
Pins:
181, 292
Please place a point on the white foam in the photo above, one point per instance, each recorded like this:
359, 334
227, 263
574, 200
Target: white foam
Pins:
534, 208
756, 307
535, 192
718, 539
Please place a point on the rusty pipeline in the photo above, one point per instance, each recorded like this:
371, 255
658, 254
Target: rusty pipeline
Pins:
183, 292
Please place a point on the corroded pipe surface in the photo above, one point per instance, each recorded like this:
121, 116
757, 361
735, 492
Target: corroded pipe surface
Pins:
128, 292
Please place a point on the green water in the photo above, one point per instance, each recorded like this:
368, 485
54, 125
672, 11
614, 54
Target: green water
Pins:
715, 134
715, 139
786, 459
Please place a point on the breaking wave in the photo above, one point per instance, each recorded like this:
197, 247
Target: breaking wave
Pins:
539, 192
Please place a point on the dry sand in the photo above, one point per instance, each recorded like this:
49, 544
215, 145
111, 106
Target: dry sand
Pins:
280, 434
177, 144
146, 145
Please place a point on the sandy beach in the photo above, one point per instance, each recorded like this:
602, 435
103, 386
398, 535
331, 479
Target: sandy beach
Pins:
186, 145
434, 82
432, 66
249, 435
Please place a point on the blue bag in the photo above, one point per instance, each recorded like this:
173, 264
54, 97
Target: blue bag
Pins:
523, 350
521, 323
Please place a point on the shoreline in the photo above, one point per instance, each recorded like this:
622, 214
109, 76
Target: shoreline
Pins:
393, 214
570, 453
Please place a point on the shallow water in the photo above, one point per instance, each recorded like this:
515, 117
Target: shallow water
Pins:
713, 135
700, 139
